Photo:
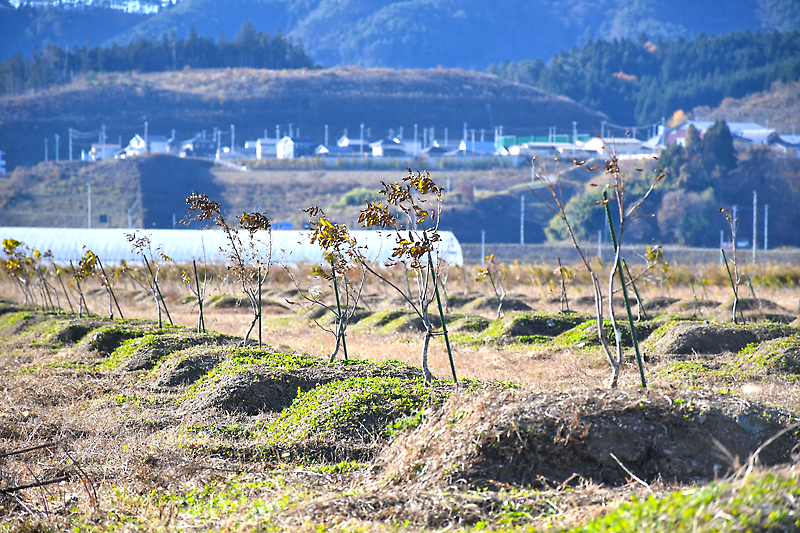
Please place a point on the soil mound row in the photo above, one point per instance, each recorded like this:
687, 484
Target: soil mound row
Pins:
519, 438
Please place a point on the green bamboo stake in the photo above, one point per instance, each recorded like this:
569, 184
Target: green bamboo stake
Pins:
338, 306
58, 275
634, 336
733, 286
635, 290
259, 306
158, 290
80, 293
114, 296
441, 314
201, 325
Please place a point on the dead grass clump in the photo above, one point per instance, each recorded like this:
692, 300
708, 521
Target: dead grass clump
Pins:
524, 439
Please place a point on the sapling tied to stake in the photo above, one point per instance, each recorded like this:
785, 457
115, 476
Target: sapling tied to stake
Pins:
553, 198
90, 265
494, 273
250, 259
343, 255
143, 247
418, 201
734, 278
24, 265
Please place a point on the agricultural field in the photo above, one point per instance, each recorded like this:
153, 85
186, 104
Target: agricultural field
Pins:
122, 425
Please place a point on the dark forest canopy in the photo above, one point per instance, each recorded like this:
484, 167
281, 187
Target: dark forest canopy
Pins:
639, 81
250, 48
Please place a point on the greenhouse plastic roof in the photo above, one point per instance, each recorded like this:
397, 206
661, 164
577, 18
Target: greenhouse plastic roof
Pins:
288, 247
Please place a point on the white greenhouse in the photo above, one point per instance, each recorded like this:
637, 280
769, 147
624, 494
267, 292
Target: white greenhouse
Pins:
288, 247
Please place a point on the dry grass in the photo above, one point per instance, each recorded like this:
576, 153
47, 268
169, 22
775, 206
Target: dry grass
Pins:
151, 474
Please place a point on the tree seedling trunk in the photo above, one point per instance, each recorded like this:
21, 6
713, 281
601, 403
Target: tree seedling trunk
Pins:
631, 322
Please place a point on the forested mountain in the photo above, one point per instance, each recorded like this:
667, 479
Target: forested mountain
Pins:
250, 48
642, 80
24, 28
408, 33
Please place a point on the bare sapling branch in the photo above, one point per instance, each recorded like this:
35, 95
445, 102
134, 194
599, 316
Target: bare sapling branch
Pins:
250, 259
415, 202
344, 256
553, 198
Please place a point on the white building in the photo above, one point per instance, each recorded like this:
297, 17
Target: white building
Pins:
388, 148
619, 146
156, 144
101, 152
294, 147
267, 148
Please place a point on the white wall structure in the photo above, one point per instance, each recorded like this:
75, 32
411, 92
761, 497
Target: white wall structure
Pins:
289, 247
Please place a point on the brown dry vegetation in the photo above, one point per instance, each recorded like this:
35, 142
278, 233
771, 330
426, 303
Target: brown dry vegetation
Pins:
182, 431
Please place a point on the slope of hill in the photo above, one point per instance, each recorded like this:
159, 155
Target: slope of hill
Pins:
190, 101
154, 188
779, 107
428, 33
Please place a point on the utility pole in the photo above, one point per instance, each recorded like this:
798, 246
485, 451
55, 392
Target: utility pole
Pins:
88, 205
291, 130
361, 142
445, 137
755, 222
233, 139
400, 134
473, 140
522, 219
146, 144
45, 150
424, 138
277, 131
218, 135
483, 247
57, 137
130, 219
103, 141
415, 140
326, 135
766, 222
70, 144
574, 132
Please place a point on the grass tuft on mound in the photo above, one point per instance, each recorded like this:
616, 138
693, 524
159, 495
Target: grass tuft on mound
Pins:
762, 502
352, 408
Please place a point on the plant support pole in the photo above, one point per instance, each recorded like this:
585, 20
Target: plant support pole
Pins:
441, 314
617, 266
635, 290
158, 290
259, 306
733, 286
201, 326
338, 308
103, 270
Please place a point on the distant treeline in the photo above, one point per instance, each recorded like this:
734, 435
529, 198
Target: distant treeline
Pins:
250, 48
638, 82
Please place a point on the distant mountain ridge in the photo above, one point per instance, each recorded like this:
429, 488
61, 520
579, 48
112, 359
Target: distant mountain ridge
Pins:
408, 33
